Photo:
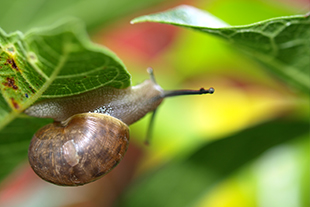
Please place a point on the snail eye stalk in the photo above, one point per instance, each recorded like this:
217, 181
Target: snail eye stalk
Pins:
170, 93
149, 132
152, 77
188, 92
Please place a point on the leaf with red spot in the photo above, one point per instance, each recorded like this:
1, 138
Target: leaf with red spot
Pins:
53, 62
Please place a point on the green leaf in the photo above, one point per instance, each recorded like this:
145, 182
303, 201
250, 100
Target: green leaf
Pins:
14, 142
282, 44
183, 183
53, 62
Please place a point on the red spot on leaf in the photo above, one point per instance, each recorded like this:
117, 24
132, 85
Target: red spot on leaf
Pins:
10, 82
32, 90
12, 63
14, 103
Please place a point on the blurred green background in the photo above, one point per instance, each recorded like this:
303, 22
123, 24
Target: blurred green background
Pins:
243, 146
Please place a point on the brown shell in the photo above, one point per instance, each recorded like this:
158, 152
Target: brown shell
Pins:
79, 150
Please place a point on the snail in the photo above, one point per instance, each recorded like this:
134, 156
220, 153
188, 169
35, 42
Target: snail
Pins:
90, 134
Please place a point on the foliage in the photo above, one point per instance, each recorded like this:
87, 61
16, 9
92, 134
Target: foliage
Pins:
60, 60
281, 43
56, 62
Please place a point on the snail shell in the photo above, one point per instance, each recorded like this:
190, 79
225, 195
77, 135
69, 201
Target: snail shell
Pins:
79, 150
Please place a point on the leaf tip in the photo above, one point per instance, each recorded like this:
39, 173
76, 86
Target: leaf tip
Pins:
137, 20
133, 21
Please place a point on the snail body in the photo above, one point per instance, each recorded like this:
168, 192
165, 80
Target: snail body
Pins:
128, 105
90, 134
